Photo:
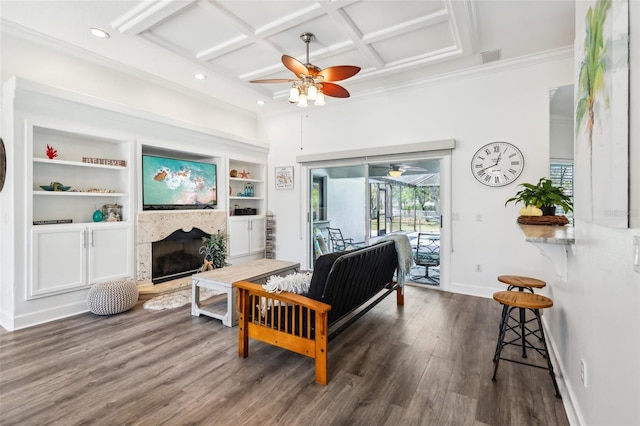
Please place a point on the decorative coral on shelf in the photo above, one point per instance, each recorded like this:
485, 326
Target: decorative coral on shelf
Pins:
51, 153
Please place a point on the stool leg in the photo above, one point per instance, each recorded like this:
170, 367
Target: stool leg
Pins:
522, 323
503, 331
546, 354
502, 320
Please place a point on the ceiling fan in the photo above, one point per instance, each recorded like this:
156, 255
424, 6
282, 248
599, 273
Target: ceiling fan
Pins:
313, 83
397, 169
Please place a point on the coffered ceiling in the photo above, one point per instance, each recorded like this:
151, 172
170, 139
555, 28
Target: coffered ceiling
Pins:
231, 42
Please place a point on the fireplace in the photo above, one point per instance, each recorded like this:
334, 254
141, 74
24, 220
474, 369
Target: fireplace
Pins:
176, 256
156, 226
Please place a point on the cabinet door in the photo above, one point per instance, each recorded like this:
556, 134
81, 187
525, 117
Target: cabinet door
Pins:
256, 235
109, 253
238, 237
58, 260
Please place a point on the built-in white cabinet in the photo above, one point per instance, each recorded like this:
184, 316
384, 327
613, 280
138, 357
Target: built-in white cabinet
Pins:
72, 246
246, 236
71, 257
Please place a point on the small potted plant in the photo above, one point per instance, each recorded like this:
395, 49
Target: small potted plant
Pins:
544, 196
214, 248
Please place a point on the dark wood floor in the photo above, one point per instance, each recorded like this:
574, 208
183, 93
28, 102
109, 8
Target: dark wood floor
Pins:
428, 363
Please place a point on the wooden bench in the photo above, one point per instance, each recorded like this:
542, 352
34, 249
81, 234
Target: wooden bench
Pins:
344, 286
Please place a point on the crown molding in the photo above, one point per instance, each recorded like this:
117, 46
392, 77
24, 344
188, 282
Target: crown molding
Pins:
480, 70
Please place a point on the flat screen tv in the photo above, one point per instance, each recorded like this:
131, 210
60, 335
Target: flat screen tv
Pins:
173, 184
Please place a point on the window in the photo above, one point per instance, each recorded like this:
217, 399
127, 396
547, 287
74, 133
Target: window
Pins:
561, 174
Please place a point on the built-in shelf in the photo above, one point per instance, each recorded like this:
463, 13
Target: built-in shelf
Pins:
77, 164
79, 194
554, 242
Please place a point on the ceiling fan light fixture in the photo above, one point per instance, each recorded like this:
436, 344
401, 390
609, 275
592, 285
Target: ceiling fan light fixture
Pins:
395, 173
319, 98
302, 101
294, 95
312, 93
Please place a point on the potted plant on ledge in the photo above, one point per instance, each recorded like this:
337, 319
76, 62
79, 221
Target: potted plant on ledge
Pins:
541, 199
214, 249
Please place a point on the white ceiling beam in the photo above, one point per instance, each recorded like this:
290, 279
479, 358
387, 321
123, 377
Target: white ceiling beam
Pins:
349, 29
464, 25
147, 14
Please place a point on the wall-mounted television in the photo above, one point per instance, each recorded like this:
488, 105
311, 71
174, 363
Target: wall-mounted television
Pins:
174, 184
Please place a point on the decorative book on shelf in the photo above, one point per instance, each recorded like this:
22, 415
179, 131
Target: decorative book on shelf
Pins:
52, 221
104, 161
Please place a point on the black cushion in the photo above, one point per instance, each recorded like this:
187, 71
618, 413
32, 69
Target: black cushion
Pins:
320, 274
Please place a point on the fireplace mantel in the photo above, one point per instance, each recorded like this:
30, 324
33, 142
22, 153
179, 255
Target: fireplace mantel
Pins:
154, 226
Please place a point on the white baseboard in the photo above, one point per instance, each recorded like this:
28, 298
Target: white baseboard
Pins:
566, 390
474, 290
46, 315
6, 321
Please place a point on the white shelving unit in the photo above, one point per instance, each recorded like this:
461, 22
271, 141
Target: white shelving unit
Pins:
94, 251
246, 209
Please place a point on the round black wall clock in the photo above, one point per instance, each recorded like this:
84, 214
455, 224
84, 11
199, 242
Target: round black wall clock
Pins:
3, 164
497, 164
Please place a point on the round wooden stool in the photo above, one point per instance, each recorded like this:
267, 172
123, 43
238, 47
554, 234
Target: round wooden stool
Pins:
518, 326
521, 283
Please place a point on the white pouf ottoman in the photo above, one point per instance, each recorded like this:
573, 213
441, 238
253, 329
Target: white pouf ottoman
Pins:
112, 297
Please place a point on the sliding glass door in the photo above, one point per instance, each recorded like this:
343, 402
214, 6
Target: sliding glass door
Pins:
363, 203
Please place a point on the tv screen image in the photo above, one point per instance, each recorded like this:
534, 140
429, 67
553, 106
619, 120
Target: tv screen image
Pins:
173, 183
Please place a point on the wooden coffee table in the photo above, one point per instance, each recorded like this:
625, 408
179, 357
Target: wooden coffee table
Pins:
221, 280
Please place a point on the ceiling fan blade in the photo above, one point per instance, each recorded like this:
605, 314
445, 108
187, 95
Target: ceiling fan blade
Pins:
273, 80
294, 65
334, 90
339, 72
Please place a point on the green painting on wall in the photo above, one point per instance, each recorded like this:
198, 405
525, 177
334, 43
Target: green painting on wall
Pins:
602, 113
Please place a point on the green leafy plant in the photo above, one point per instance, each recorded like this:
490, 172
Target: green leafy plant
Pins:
214, 249
542, 194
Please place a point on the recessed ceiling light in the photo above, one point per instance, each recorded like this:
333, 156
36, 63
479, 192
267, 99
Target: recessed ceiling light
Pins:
200, 76
261, 102
99, 32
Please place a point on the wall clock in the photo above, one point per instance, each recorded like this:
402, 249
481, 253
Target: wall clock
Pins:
3, 164
497, 164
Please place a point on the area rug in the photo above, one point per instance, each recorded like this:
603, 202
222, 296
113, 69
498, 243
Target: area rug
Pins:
176, 299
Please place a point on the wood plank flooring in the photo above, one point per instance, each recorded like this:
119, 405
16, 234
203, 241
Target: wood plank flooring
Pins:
427, 363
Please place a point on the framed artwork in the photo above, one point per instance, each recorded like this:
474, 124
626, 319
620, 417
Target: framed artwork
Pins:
284, 177
602, 113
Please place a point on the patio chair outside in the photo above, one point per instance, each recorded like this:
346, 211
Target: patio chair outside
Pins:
427, 254
339, 243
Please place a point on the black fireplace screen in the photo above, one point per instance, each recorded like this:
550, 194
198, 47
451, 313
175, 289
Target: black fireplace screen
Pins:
177, 256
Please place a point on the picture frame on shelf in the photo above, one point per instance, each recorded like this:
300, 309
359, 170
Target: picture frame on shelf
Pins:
284, 177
